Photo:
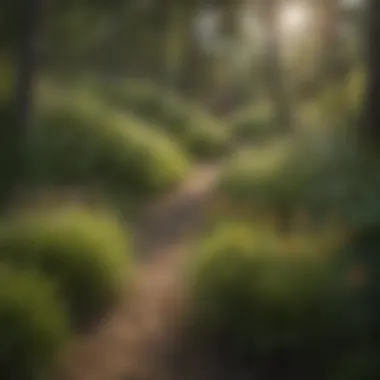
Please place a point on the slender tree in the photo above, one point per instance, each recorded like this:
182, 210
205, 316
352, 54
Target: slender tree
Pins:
372, 104
272, 70
26, 57
330, 20
230, 31
15, 130
194, 71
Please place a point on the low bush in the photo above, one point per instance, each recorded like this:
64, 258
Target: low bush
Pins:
344, 99
80, 142
33, 325
269, 302
361, 255
335, 107
84, 251
319, 174
270, 176
254, 125
199, 134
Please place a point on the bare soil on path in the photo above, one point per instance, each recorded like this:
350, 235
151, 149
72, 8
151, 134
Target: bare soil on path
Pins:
131, 344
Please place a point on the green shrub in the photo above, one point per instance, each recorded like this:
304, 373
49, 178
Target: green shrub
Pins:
271, 177
361, 260
81, 142
336, 107
33, 325
206, 143
364, 364
199, 133
259, 298
256, 124
361, 251
344, 98
319, 173
84, 251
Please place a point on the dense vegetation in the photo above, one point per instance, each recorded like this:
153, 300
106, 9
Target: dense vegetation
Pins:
285, 274
198, 133
262, 299
122, 100
62, 270
80, 141
33, 323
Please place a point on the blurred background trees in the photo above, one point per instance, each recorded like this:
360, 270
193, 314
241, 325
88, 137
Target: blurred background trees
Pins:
209, 51
121, 98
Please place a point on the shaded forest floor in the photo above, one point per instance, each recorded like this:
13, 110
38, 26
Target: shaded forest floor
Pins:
135, 340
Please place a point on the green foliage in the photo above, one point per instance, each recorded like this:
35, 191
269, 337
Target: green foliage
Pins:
199, 133
344, 98
362, 251
33, 325
269, 176
315, 172
79, 141
85, 252
255, 124
263, 298
364, 364
337, 106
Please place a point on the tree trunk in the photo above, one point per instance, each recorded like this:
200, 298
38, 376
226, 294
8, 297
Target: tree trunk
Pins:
27, 46
272, 69
330, 41
372, 104
194, 63
224, 91
14, 133
230, 19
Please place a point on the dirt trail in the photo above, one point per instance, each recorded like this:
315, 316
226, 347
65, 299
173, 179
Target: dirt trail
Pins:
131, 344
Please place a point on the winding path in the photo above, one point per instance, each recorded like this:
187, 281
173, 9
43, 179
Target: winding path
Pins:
131, 345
